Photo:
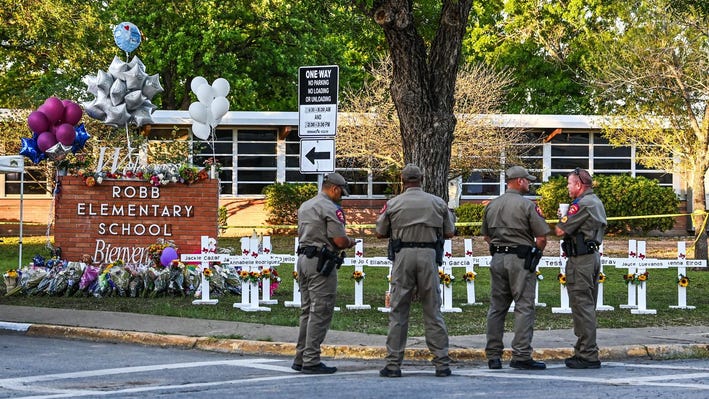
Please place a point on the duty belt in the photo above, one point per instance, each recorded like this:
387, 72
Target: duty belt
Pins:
418, 245
503, 249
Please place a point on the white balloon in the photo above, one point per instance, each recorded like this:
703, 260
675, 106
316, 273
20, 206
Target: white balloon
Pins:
196, 82
221, 86
205, 94
220, 106
200, 130
198, 112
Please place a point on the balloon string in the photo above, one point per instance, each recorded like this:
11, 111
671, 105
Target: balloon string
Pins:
50, 219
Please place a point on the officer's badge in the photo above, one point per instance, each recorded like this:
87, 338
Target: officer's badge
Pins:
564, 219
384, 209
573, 209
340, 215
539, 211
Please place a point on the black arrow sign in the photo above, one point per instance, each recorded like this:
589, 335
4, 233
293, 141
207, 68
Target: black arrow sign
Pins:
312, 155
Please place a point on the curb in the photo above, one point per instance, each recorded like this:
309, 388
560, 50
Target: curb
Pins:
246, 347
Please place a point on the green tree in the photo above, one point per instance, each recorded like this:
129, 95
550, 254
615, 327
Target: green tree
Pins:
544, 44
47, 46
656, 75
257, 45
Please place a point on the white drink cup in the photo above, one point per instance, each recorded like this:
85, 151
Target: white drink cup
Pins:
563, 210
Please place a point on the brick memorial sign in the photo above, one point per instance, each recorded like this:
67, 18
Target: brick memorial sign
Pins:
120, 219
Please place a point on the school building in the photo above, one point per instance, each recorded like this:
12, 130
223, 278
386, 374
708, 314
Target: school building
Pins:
256, 149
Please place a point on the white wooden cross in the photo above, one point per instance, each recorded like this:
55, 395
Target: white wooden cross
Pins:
295, 303
469, 268
564, 308
632, 292
358, 266
447, 268
249, 288
599, 298
682, 272
207, 254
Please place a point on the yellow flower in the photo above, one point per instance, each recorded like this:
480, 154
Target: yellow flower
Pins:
601, 278
266, 273
12, 273
629, 278
469, 276
539, 275
683, 280
643, 277
207, 272
562, 278
295, 275
243, 274
358, 275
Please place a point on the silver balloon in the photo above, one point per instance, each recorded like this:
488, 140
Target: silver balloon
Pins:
136, 62
117, 67
90, 82
134, 99
103, 81
141, 116
57, 152
94, 110
134, 78
152, 86
117, 116
118, 91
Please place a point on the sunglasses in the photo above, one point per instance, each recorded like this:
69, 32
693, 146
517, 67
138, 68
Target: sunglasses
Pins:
583, 178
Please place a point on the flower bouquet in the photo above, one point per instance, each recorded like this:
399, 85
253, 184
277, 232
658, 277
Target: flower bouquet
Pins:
445, 278
232, 282
10, 278
358, 275
135, 283
629, 278
469, 277
601, 278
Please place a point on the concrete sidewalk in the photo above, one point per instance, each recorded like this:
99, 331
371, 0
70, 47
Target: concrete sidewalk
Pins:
249, 338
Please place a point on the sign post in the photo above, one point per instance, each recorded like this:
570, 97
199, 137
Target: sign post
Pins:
317, 117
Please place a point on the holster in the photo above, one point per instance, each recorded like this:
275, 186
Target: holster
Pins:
439, 251
577, 245
534, 255
393, 248
329, 260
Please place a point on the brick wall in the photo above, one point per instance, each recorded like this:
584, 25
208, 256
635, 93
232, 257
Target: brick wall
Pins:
119, 219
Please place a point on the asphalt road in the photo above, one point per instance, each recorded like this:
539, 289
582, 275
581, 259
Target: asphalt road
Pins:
36, 367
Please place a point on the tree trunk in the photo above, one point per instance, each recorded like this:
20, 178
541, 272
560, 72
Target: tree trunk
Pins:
423, 84
698, 209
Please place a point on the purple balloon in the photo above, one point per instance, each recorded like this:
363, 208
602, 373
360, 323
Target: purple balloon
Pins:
65, 134
54, 109
38, 122
72, 112
168, 255
45, 141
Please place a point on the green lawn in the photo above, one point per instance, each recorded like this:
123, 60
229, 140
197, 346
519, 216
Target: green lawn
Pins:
661, 287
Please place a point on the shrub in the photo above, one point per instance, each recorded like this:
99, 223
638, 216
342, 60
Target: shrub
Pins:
284, 199
622, 195
470, 212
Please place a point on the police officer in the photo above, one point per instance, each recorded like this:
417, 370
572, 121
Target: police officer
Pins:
321, 223
417, 222
582, 229
513, 226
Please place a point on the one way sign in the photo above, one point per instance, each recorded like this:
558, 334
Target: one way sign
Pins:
317, 155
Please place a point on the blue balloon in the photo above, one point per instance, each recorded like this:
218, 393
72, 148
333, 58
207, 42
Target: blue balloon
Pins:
30, 150
80, 139
127, 36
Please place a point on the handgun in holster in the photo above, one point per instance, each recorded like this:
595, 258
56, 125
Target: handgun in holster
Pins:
531, 260
393, 248
329, 260
439, 250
